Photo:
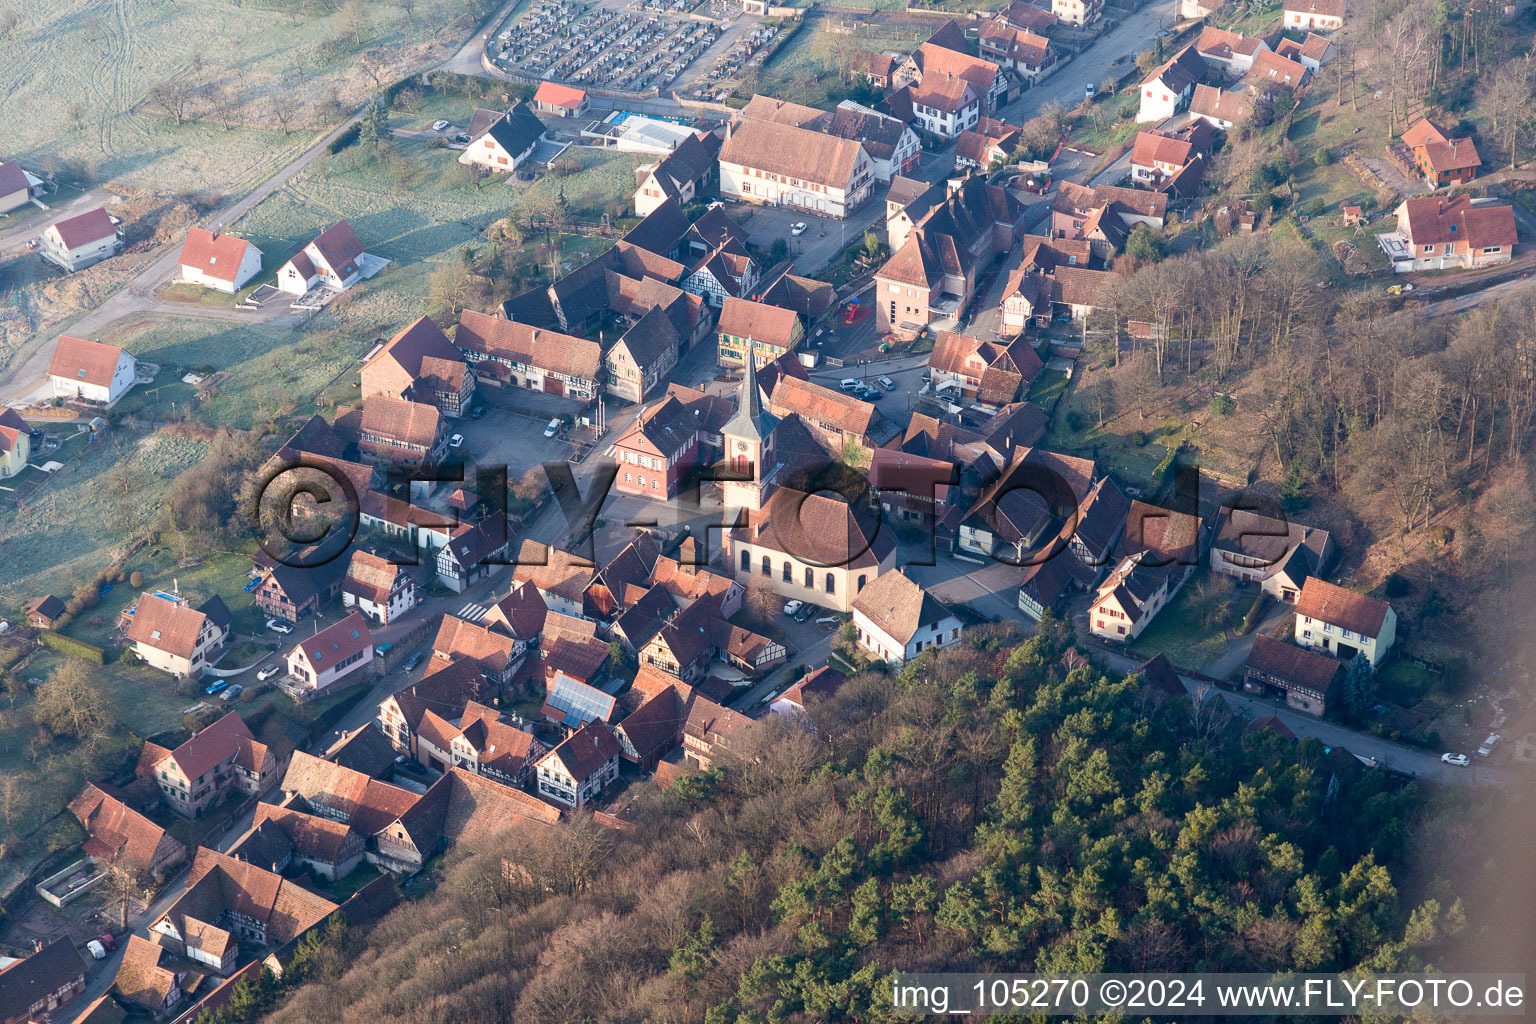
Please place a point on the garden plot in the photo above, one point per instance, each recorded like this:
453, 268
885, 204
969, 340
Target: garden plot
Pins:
77, 77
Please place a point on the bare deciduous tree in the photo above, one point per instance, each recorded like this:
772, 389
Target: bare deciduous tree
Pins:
172, 95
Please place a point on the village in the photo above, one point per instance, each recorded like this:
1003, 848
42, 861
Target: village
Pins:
818, 409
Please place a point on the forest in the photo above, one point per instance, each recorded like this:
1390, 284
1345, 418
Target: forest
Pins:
999, 805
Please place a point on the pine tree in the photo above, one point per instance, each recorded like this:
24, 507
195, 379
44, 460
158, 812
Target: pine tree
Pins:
1359, 685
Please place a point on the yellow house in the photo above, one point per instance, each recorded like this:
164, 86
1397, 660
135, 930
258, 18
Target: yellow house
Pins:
15, 442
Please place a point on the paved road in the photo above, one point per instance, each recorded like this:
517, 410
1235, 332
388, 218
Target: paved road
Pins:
468, 60
27, 375
1393, 756
1093, 65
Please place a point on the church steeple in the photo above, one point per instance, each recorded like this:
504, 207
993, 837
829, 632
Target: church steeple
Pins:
748, 437
751, 421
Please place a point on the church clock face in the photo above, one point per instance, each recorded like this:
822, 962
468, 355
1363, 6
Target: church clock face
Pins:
741, 446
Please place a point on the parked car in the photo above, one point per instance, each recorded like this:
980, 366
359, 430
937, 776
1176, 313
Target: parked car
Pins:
279, 626
461, 137
106, 939
456, 441
1088, 90
886, 383
850, 384
438, 126
791, 607
215, 686
870, 394
97, 950
553, 428
233, 693
1488, 744
927, 377
1461, 760
268, 673
798, 228
413, 661
805, 612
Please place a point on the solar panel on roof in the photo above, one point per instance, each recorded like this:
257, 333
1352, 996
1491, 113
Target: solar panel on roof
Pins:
579, 702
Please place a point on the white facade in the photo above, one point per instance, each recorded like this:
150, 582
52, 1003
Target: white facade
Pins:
555, 783
292, 280
52, 248
401, 600
1308, 20
487, 152
949, 124
1336, 640
1160, 102
209, 641
300, 670
943, 633
835, 201
250, 266
122, 379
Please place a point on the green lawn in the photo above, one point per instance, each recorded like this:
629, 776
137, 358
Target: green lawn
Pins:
1048, 387
1191, 629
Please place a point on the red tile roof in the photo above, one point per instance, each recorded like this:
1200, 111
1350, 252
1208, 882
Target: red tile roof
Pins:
1333, 604
81, 360
557, 95
340, 247
217, 256
585, 752
165, 625
337, 642
119, 834
549, 350
91, 226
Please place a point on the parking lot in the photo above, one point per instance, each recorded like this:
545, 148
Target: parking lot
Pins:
511, 439
635, 49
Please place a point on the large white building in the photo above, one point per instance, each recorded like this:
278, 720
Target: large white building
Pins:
321, 661
507, 143
91, 370
1170, 87
783, 165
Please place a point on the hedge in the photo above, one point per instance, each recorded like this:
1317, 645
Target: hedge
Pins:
70, 647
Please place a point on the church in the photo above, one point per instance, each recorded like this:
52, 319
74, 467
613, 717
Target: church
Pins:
812, 547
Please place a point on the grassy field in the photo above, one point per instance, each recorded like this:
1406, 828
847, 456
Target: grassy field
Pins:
411, 201
77, 74
77, 523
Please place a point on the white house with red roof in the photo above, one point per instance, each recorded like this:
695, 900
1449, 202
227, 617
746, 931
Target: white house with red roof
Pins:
334, 260
560, 100
15, 442
340, 650
75, 243
91, 370
221, 262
